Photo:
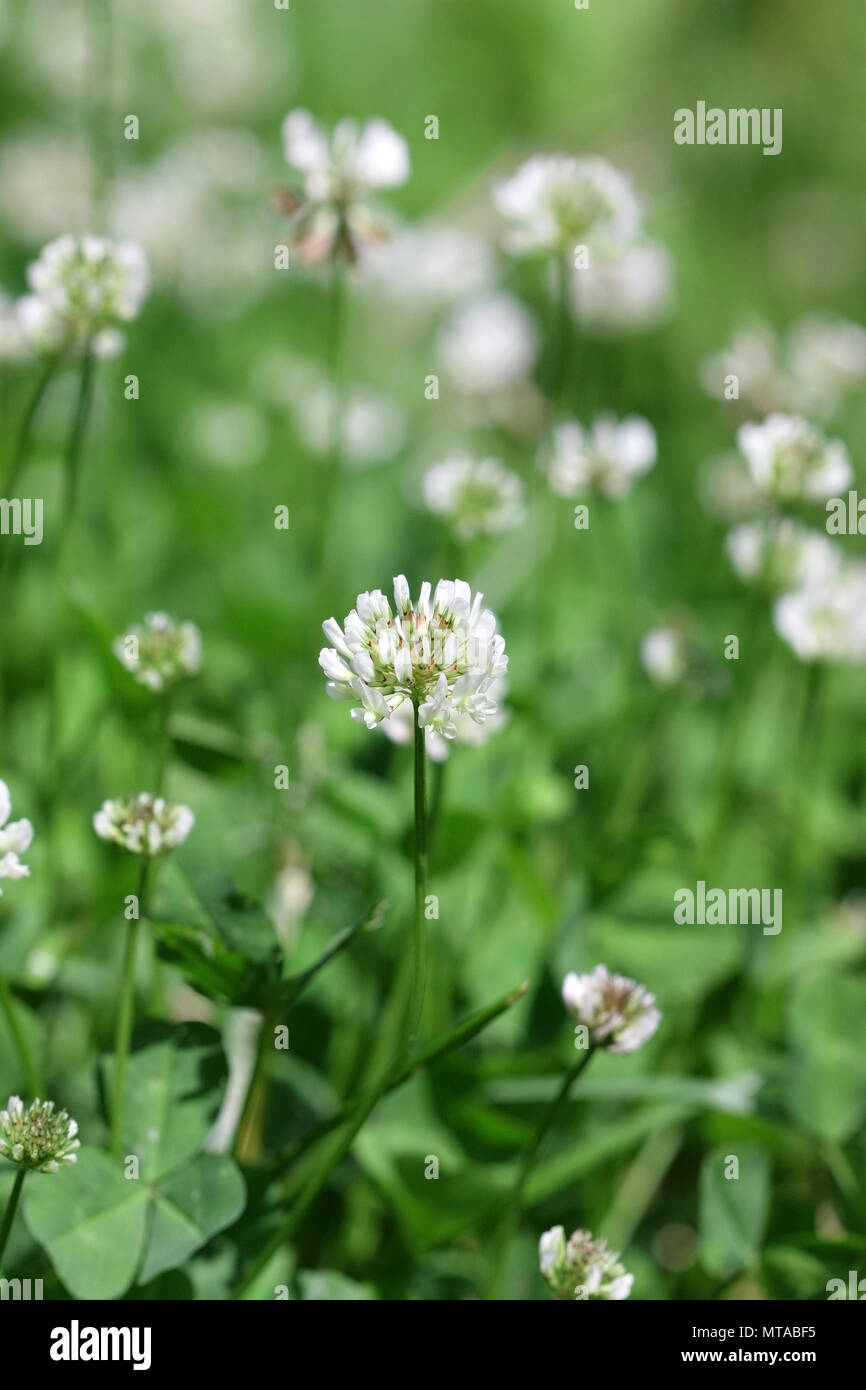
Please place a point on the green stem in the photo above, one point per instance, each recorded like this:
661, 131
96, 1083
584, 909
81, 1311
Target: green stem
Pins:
391, 1074
164, 740
11, 1209
126, 1010
337, 381
513, 1204
419, 933
25, 428
75, 439
28, 1061
440, 1047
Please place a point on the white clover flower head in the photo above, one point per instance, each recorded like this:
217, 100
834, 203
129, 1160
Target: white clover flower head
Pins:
338, 173
827, 357
442, 653
399, 726
627, 289
554, 202
664, 656
782, 554
608, 457
477, 496
582, 1267
39, 1138
789, 458
83, 289
619, 1014
159, 653
488, 345
16, 838
143, 824
754, 359
826, 621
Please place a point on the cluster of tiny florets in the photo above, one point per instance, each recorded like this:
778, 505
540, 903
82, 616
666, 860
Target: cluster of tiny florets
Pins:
582, 1267
143, 824
160, 652
39, 1138
442, 652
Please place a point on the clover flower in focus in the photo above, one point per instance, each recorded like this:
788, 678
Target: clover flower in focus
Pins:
826, 621
627, 289
15, 839
619, 1014
781, 554
553, 202
789, 458
477, 496
609, 456
84, 288
399, 726
143, 824
40, 1139
159, 653
582, 1267
488, 345
442, 653
331, 216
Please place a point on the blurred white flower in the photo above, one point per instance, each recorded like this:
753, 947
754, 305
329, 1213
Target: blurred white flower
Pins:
626, 289
488, 345
159, 653
664, 656
781, 553
554, 202
827, 357
291, 894
442, 654
143, 824
477, 496
339, 171
609, 456
399, 726
826, 621
619, 1014
186, 206
582, 1267
790, 458
226, 433
430, 264
44, 175
372, 427
83, 288
753, 358
16, 838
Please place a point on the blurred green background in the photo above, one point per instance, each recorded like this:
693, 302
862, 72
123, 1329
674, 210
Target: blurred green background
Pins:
761, 1050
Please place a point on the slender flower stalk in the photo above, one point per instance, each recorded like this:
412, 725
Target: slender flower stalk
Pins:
28, 420
126, 1009
514, 1202
148, 826
11, 1209
419, 934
